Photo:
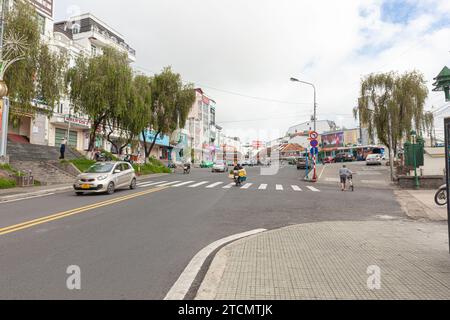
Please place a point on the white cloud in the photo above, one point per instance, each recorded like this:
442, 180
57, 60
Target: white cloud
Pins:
255, 46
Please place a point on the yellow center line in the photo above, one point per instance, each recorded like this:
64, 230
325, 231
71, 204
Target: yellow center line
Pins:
60, 215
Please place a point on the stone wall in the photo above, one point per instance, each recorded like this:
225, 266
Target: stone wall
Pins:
426, 182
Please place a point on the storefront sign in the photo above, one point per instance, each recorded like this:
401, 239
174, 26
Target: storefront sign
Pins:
77, 121
160, 140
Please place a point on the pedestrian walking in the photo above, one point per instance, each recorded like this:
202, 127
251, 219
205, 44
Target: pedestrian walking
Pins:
344, 173
62, 148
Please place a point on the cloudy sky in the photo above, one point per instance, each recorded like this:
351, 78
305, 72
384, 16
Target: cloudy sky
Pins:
243, 52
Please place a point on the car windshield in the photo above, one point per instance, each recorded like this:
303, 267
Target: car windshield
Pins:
100, 168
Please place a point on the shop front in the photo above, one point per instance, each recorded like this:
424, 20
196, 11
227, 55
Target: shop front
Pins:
76, 130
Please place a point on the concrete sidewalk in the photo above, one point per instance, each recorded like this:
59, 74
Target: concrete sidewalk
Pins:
18, 193
420, 204
330, 260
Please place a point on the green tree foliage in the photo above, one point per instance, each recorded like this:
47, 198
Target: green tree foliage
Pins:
391, 105
40, 75
171, 103
429, 125
130, 121
101, 87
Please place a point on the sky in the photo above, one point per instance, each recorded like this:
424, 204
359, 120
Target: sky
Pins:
242, 53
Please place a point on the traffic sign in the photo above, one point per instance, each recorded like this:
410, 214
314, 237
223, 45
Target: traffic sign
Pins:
313, 135
314, 143
314, 151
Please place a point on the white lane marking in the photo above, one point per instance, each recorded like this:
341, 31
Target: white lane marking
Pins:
151, 184
229, 186
143, 183
214, 185
247, 185
198, 184
279, 187
296, 188
183, 184
313, 189
262, 187
184, 282
31, 197
168, 184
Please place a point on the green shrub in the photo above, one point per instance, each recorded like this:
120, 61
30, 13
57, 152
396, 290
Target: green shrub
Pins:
81, 164
7, 183
152, 166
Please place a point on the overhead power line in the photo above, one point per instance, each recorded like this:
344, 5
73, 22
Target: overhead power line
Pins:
234, 92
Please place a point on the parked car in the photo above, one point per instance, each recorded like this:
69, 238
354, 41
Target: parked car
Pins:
373, 159
301, 163
105, 177
206, 164
344, 157
329, 159
220, 166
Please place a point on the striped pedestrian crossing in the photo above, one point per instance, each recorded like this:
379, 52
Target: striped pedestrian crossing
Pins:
226, 186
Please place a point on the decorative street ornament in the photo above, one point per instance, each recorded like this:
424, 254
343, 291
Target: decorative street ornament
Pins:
443, 82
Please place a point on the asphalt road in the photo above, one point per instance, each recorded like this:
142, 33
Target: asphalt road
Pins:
136, 248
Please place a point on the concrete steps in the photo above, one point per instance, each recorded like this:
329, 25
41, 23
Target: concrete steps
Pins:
32, 152
44, 172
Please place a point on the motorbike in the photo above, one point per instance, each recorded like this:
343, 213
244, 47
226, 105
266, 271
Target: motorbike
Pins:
186, 168
237, 179
128, 159
441, 196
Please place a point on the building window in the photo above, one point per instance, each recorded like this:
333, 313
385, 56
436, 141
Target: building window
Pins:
93, 50
76, 28
41, 23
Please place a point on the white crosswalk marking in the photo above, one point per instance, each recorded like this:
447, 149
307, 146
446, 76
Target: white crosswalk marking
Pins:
279, 187
183, 184
168, 184
214, 185
262, 187
296, 188
198, 184
151, 184
247, 185
143, 183
229, 186
313, 189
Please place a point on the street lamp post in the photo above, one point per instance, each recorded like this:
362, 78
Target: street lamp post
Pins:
315, 118
414, 139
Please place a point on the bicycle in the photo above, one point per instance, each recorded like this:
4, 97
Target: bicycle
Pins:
350, 182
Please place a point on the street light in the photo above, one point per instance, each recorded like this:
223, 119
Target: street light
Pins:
315, 117
414, 139
315, 101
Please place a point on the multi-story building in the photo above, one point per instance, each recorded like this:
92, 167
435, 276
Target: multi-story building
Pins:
88, 35
201, 134
27, 127
321, 126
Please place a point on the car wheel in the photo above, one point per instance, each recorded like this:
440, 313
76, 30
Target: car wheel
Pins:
79, 193
110, 189
133, 184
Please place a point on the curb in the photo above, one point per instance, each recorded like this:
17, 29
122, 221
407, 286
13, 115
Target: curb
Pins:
25, 195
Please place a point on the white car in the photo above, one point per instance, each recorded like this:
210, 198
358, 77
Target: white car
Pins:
373, 159
220, 166
105, 177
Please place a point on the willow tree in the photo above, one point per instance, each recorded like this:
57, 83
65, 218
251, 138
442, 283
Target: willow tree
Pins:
171, 103
428, 125
100, 87
40, 74
390, 105
130, 121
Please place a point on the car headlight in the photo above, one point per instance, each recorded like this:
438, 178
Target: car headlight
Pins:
102, 178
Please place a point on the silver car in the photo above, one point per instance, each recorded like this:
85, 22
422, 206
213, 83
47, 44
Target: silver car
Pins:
105, 177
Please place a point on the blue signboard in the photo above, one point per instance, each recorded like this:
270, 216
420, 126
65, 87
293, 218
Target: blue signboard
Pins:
314, 151
160, 140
